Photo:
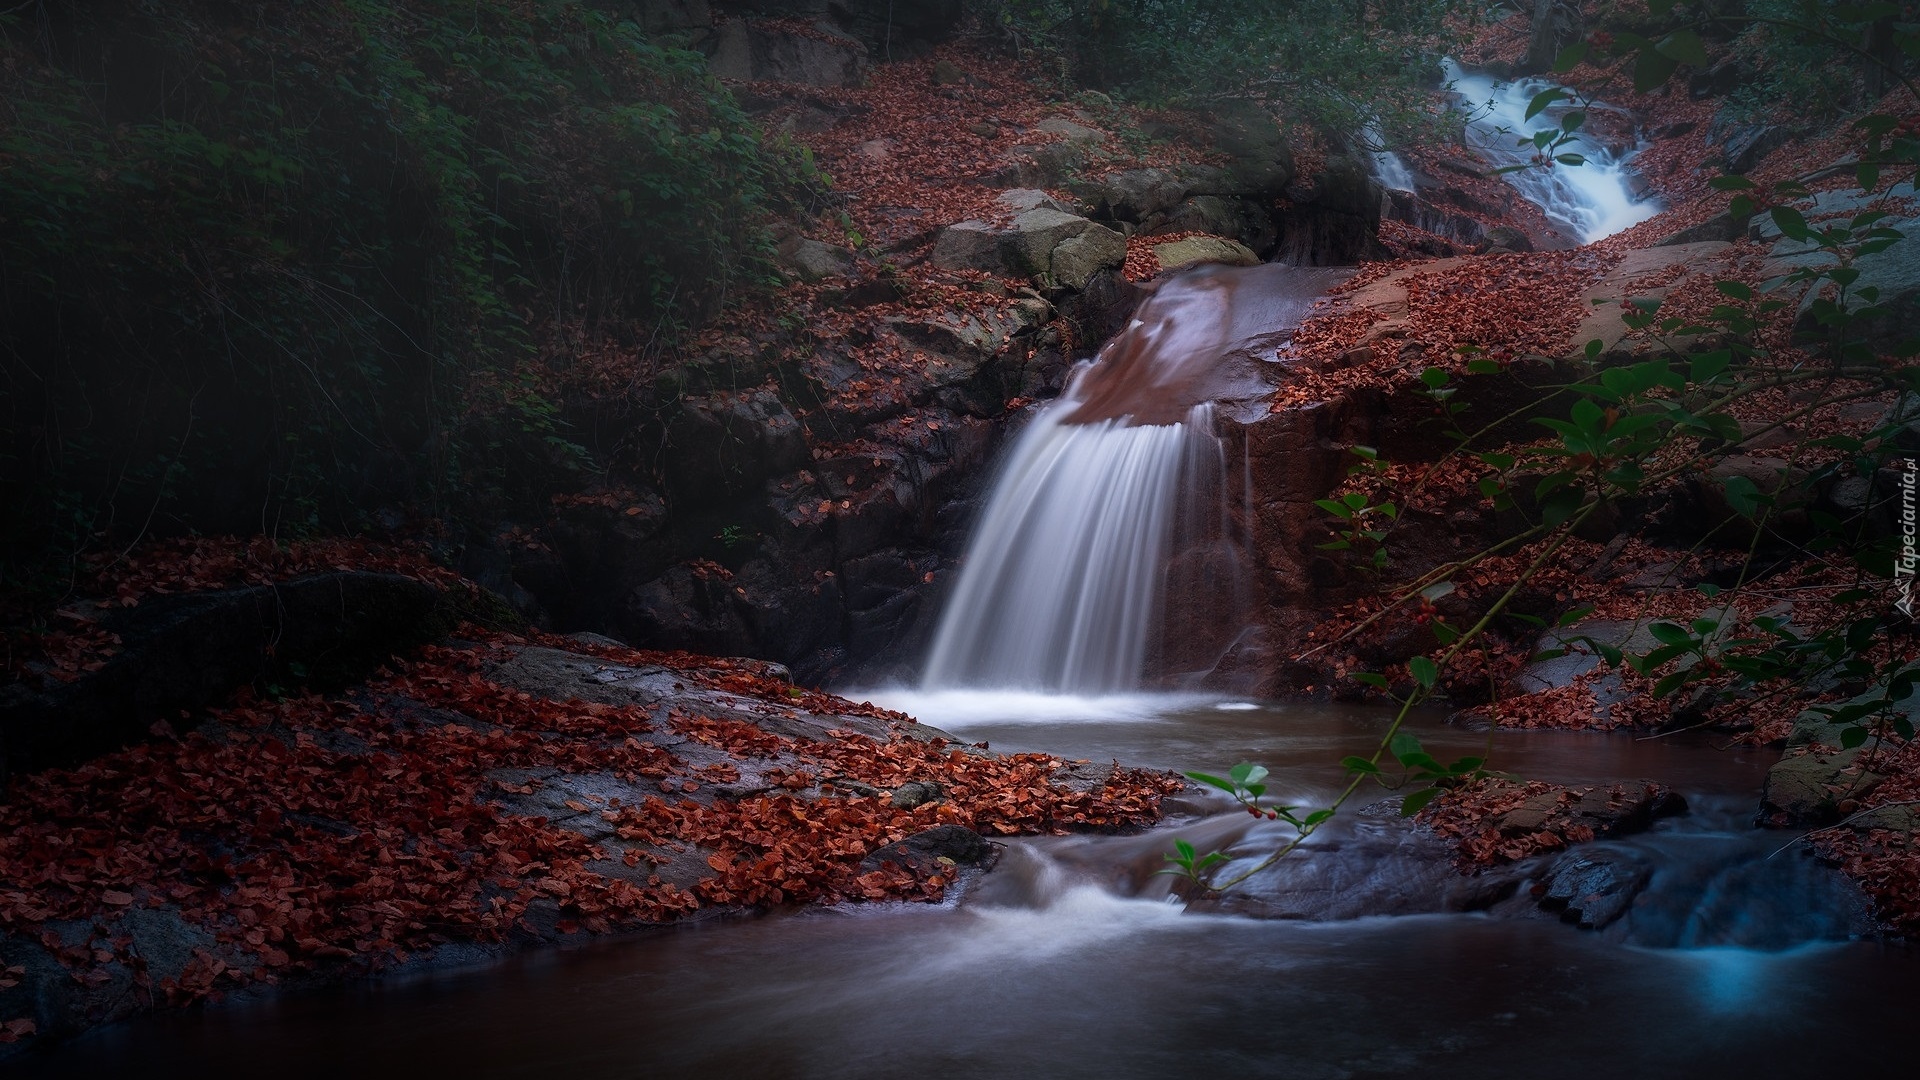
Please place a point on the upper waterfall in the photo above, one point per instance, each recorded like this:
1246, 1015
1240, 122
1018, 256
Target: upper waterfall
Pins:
1594, 200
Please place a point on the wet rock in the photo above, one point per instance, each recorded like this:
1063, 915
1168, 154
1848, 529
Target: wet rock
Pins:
1606, 811
1195, 250
914, 793
182, 653
1503, 238
1362, 864
1593, 888
942, 848
1334, 219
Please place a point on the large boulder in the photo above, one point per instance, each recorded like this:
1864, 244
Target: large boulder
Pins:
1195, 250
1260, 160
1811, 787
1131, 194
811, 260
1246, 220
746, 51
1895, 271
1043, 239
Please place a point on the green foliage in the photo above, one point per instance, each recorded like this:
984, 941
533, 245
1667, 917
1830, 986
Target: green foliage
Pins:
1791, 69
267, 269
1333, 64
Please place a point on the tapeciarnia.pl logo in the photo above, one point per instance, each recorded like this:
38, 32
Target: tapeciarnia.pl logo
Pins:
1903, 569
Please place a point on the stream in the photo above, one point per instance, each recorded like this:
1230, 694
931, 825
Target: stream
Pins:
1067, 960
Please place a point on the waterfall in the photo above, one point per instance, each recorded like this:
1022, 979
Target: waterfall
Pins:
1061, 587
1594, 200
1108, 550
1385, 165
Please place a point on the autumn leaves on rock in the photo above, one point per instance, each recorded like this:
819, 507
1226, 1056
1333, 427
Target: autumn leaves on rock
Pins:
438, 806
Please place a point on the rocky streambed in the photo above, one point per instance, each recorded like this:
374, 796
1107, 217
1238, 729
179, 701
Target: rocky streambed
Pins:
1069, 957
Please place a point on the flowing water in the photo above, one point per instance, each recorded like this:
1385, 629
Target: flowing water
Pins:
1593, 200
1067, 961
1113, 487
1389, 168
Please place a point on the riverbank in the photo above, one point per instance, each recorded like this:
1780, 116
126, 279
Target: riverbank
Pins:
484, 794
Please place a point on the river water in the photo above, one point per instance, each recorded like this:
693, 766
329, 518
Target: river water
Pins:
1067, 961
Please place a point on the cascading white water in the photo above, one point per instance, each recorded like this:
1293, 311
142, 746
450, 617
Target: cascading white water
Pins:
1594, 200
1387, 167
1060, 590
1108, 547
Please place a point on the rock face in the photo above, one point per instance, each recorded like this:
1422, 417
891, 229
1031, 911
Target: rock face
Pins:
1812, 787
725, 444
185, 652
1335, 220
1895, 272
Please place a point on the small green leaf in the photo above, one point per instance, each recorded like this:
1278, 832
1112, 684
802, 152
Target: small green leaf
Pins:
1684, 46
1544, 100
1652, 70
1413, 803
1792, 224
1423, 671
1570, 57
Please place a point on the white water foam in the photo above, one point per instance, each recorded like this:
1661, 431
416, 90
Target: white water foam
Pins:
1594, 200
959, 710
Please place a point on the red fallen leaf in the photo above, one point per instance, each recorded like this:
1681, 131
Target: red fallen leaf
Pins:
116, 897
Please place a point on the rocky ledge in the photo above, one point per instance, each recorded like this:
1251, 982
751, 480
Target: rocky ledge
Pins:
487, 793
